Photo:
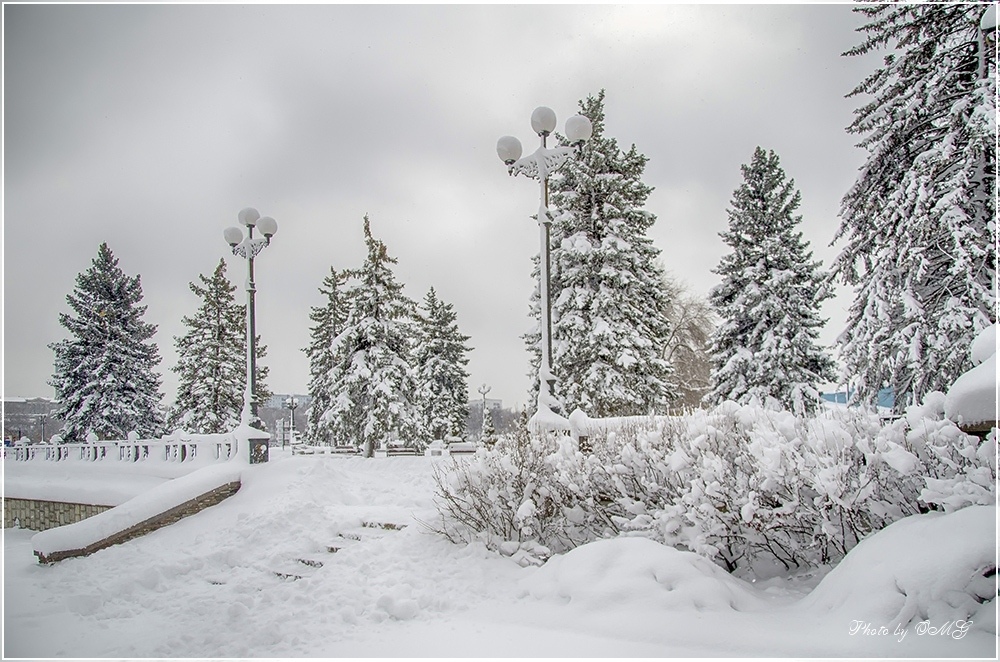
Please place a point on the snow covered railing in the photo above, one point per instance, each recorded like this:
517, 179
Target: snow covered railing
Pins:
306, 449
203, 448
582, 427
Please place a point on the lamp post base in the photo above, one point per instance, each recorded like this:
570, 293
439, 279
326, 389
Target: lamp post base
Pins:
258, 451
256, 443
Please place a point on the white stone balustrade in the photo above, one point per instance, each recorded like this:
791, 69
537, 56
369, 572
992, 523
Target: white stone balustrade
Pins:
199, 448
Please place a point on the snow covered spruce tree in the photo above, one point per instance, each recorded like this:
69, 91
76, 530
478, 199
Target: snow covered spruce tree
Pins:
918, 224
769, 297
328, 321
104, 377
372, 380
609, 326
212, 360
442, 380
488, 430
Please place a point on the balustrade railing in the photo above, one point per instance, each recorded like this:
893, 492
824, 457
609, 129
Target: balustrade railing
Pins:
205, 448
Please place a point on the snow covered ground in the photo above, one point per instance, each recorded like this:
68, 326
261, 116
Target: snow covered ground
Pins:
254, 577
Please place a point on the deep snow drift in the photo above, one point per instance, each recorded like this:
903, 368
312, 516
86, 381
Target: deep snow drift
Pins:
255, 577
973, 397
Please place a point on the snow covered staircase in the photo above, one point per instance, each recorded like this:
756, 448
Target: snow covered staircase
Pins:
301, 567
366, 531
298, 568
152, 510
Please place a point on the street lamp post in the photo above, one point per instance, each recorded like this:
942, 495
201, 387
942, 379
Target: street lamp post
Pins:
539, 165
291, 402
248, 249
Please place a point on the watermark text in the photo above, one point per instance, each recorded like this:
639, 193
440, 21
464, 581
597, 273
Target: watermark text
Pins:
950, 629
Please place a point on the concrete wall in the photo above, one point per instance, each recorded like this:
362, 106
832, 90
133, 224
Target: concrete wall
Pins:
40, 515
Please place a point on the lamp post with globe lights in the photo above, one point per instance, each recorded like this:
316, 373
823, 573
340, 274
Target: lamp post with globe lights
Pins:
539, 165
248, 248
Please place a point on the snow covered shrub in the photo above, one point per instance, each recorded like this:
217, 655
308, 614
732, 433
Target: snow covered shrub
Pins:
745, 486
956, 469
506, 497
730, 487
974, 482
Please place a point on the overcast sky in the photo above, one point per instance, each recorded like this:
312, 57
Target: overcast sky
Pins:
150, 127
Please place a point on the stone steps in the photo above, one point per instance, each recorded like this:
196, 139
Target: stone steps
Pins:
299, 568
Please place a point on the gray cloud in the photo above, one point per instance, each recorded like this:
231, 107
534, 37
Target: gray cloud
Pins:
151, 126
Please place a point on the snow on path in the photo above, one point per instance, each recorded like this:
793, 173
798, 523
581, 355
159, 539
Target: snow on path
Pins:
211, 586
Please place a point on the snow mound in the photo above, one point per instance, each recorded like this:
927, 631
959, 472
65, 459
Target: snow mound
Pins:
936, 567
973, 397
985, 345
641, 573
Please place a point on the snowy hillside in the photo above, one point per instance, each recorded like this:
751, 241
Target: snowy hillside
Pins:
255, 576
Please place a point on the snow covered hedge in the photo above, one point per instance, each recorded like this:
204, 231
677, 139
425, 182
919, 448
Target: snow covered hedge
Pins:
742, 485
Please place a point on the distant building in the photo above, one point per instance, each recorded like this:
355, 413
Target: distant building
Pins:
31, 418
491, 403
886, 397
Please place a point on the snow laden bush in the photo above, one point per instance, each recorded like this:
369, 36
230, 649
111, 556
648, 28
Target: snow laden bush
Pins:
520, 498
743, 485
958, 470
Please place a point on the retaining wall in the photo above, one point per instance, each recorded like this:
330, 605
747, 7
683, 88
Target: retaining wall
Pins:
170, 516
39, 515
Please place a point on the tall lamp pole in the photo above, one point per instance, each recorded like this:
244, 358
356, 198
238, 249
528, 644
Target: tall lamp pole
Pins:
248, 249
539, 165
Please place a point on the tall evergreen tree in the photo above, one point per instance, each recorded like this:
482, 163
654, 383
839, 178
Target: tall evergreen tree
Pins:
768, 299
104, 377
609, 327
372, 378
211, 360
918, 224
442, 380
328, 322
488, 433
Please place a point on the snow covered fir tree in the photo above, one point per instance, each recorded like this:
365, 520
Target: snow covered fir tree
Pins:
103, 373
766, 348
372, 380
488, 430
211, 360
609, 324
918, 227
440, 358
328, 321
